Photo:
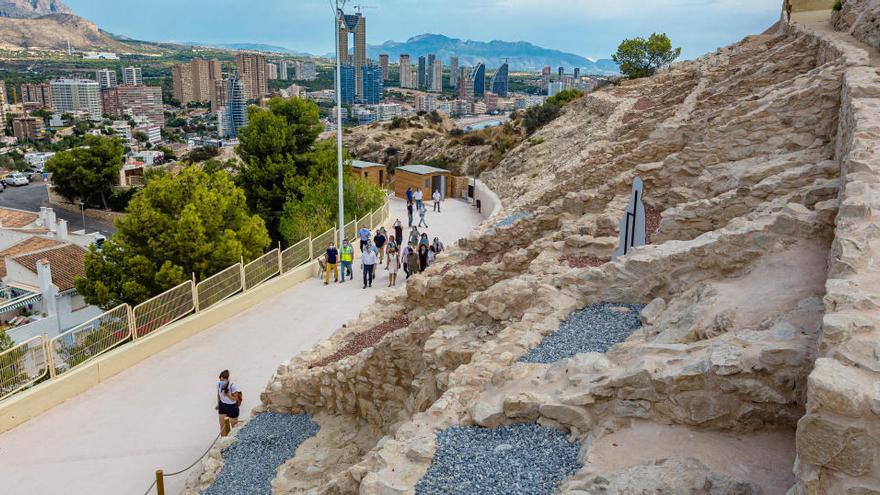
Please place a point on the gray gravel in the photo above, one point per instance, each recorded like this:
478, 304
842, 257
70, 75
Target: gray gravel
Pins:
523, 459
595, 328
505, 222
263, 444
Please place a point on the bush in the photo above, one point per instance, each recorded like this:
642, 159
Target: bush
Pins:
540, 115
640, 57
565, 96
838, 5
434, 117
203, 153
474, 140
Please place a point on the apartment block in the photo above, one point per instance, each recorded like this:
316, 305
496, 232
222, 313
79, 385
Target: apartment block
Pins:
132, 76
137, 101
38, 95
77, 96
106, 78
253, 72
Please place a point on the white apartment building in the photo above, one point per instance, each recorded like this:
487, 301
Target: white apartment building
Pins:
426, 103
437, 77
107, 78
153, 132
38, 159
77, 95
123, 130
132, 76
387, 111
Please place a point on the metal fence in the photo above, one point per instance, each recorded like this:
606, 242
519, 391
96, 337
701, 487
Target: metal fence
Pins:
219, 286
296, 255
163, 309
23, 365
351, 230
37, 359
261, 269
91, 339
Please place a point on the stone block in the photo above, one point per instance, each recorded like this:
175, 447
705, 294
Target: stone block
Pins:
823, 442
571, 416
835, 387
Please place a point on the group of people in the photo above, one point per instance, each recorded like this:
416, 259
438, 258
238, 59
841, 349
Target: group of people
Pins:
415, 204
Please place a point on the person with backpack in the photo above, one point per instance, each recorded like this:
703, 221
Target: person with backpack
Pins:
346, 256
229, 400
331, 257
414, 236
379, 240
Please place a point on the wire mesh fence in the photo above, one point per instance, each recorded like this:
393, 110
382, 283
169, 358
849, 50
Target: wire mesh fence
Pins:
364, 222
163, 309
219, 286
91, 339
261, 269
295, 255
23, 365
320, 243
351, 230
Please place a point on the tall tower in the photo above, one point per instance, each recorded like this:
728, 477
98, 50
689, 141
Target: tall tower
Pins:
236, 106
355, 25
500, 80
423, 74
479, 78
383, 63
453, 72
405, 71
429, 77
253, 72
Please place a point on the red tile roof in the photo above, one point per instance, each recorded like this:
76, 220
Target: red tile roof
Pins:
66, 263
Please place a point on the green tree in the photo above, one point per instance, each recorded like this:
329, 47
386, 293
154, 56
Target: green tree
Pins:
88, 173
193, 222
640, 57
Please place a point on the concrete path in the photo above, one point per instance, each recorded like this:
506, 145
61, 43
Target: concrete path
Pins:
160, 413
820, 21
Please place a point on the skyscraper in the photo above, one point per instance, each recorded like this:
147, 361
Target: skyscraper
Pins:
282, 70
429, 76
437, 76
305, 71
106, 78
182, 83
218, 94
466, 84
3, 102
143, 101
348, 82
405, 71
423, 74
479, 79
561, 72
383, 63
453, 72
500, 80
372, 77
545, 76
236, 106
201, 80
272, 73
252, 73
356, 25
132, 76
577, 73
77, 95
37, 95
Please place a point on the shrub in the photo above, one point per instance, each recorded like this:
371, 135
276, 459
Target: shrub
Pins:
474, 140
838, 5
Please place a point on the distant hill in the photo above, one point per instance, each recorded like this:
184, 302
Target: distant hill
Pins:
54, 31
521, 55
255, 47
24, 9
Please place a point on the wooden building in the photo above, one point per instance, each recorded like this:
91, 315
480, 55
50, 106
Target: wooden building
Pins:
373, 172
425, 177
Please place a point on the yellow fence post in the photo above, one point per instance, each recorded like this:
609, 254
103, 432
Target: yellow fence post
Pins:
131, 324
160, 482
280, 264
243, 278
311, 250
195, 292
50, 359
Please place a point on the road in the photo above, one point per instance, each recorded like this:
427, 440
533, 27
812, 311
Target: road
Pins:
34, 195
160, 412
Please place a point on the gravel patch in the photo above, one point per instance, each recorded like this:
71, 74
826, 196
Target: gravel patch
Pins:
523, 459
652, 222
363, 340
595, 328
263, 444
584, 261
508, 221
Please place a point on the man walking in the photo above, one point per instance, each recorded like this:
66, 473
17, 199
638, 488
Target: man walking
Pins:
409, 195
369, 260
379, 239
364, 236
346, 255
331, 257
418, 197
409, 213
437, 199
422, 211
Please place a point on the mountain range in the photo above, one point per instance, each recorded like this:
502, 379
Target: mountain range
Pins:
24, 9
520, 55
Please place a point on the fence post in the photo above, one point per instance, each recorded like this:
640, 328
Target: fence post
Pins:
311, 250
160, 482
195, 292
50, 358
280, 263
243, 280
131, 324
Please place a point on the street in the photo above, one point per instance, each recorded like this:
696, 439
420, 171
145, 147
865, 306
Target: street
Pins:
34, 195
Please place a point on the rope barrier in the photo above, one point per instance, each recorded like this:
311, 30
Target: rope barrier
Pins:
186, 468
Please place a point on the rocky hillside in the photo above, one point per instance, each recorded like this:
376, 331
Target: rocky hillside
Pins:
53, 32
32, 8
735, 353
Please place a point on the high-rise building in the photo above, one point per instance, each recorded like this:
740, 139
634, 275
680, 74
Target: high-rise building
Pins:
195, 81
182, 83
437, 76
577, 73
252, 72
545, 76
383, 63
355, 25
479, 78
77, 95
423, 73
36, 94
282, 70
305, 71
106, 78
561, 73
554, 88
3, 102
405, 71
348, 82
132, 76
27, 128
500, 80
136, 101
201, 79
453, 72
429, 77
218, 94
466, 84
372, 77
272, 69
425, 102
235, 116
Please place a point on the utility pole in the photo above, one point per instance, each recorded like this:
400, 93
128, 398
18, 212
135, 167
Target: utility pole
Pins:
337, 6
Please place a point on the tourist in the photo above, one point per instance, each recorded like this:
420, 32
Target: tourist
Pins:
437, 246
431, 257
423, 257
398, 231
228, 401
404, 255
412, 260
422, 211
409, 195
379, 241
409, 213
364, 236
346, 256
393, 263
437, 198
390, 250
418, 197
423, 240
414, 236
331, 257
368, 264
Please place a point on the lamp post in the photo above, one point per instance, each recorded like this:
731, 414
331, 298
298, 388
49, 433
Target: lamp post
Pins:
337, 6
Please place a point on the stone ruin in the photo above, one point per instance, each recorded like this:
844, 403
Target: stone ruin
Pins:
755, 368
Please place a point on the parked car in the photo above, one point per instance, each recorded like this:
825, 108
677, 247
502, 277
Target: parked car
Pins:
17, 179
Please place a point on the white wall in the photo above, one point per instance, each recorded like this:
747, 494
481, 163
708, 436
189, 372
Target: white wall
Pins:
490, 204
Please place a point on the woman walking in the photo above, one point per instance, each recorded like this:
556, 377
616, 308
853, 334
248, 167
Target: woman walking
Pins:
398, 232
391, 250
414, 236
412, 261
423, 257
393, 265
228, 401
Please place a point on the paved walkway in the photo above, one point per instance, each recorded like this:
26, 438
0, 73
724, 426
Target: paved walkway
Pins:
820, 21
160, 413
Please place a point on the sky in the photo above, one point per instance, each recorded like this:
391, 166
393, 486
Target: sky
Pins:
589, 28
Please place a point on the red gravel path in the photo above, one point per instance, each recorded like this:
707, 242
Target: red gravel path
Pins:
363, 340
584, 261
652, 222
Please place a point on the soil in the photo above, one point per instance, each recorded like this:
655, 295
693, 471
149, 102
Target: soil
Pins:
363, 340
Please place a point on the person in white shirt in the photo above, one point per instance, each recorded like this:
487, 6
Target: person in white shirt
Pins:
437, 199
228, 401
418, 197
368, 265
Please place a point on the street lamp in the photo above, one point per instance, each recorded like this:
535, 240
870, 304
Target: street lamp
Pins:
337, 6
82, 207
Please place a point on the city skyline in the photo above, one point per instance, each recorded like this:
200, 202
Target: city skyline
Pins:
583, 28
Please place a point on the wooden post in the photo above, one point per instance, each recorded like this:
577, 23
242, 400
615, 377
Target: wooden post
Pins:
50, 358
160, 482
195, 293
243, 279
132, 324
311, 249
